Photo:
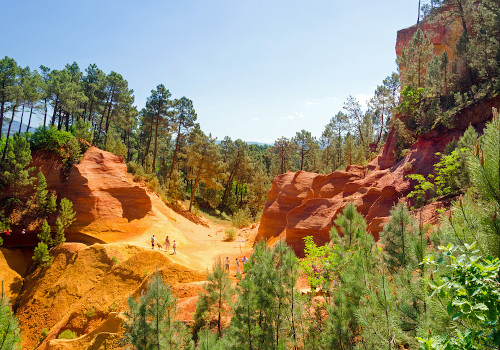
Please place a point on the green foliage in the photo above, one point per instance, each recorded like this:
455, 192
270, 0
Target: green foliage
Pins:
14, 171
116, 146
484, 164
83, 130
41, 193
230, 234
90, 312
241, 218
10, 335
41, 254
411, 98
423, 190
67, 334
151, 321
265, 314
316, 263
45, 236
73, 157
43, 335
468, 286
397, 238
215, 299
64, 220
51, 139
51, 204
402, 139
351, 224
450, 176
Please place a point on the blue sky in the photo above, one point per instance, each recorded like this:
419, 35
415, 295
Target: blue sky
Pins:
255, 70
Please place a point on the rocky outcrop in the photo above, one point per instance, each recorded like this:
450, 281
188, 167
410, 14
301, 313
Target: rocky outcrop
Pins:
105, 198
443, 33
85, 286
306, 204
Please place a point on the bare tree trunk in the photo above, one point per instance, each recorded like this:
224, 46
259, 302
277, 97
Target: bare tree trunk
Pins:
53, 121
21, 122
156, 143
194, 188
29, 120
8, 133
45, 113
2, 106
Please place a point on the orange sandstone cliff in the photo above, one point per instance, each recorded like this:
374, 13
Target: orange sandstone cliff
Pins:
306, 204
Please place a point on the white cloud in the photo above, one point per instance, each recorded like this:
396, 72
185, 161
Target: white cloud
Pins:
312, 103
297, 115
256, 118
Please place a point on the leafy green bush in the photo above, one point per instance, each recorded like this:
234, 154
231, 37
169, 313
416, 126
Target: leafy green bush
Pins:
230, 234
51, 139
242, 218
469, 287
67, 334
450, 170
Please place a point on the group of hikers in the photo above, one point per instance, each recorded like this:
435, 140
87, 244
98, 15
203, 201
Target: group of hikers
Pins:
166, 245
238, 264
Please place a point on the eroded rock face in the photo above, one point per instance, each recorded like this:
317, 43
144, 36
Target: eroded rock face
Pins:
105, 199
84, 288
306, 204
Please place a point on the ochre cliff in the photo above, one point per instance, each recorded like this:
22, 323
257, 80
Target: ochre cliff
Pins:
306, 204
84, 288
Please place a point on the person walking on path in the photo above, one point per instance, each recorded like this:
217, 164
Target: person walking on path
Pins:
7, 233
244, 260
167, 244
153, 242
227, 264
238, 270
174, 246
23, 231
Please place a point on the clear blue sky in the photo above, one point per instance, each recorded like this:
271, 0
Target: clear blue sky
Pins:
255, 70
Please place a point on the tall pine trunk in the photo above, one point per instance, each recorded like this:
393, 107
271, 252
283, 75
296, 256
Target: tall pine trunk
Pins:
29, 120
194, 188
45, 113
21, 122
174, 158
53, 121
156, 144
8, 133
2, 109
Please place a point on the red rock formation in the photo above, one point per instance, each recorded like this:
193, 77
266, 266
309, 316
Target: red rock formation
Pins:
305, 204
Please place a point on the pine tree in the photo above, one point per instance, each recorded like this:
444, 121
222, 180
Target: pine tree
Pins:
414, 60
397, 238
41, 254
41, 193
351, 224
203, 158
216, 297
151, 320
51, 205
10, 335
45, 236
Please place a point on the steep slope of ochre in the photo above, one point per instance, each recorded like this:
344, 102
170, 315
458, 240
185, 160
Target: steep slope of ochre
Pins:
109, 257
